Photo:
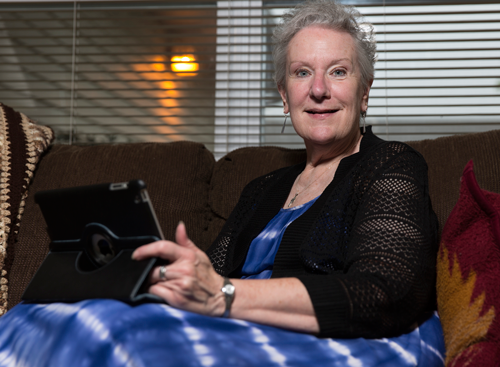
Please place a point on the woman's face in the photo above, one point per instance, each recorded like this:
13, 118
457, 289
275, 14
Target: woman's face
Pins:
323, 86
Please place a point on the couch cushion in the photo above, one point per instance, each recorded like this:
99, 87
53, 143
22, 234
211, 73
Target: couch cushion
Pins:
446, 158
177, 176
467, 277
238, 168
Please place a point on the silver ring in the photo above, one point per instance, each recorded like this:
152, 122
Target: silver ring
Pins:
163, 272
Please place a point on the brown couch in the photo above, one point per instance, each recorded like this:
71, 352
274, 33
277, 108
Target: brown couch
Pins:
186, 183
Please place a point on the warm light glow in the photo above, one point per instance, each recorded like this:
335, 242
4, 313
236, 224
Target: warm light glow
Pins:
184, 64
158, 64
167, 85
158, 67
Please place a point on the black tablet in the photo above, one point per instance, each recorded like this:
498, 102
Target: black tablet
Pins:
94, 230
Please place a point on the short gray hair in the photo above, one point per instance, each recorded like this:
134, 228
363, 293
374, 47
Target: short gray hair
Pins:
331, 15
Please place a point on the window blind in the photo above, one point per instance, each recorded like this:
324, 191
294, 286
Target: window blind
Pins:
128, 71
106, 71
437, 72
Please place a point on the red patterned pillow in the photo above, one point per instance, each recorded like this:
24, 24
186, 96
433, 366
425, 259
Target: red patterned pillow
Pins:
468, 279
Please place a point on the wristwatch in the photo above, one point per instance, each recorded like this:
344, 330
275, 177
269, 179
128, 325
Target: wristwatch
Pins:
228, 290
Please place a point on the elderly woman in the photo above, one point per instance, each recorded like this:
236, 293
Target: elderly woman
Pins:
340, 246
343, 245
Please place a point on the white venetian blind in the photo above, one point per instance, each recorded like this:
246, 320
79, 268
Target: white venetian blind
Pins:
104, 71
438, 70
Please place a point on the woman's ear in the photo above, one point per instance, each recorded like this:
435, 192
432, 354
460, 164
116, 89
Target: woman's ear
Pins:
364, 98
286, 107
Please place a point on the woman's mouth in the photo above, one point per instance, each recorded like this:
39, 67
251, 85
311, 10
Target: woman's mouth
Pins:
320, 112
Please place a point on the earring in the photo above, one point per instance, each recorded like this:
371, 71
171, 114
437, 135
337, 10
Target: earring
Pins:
283, 128
363, 116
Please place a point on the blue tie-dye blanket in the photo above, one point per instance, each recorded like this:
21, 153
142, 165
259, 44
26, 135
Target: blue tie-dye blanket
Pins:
111, 333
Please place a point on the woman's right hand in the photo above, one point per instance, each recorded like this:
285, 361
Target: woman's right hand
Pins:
190, 281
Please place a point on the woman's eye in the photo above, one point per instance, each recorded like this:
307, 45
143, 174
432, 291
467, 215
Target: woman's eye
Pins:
302, 73
339, 73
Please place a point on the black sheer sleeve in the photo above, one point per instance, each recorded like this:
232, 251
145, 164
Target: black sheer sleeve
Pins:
386, 280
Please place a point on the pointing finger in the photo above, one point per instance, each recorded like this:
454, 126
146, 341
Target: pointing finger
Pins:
181, 236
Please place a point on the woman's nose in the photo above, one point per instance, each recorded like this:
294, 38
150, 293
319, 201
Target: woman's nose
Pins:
319, 88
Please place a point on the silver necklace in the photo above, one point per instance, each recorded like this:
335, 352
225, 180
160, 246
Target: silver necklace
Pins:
304, 189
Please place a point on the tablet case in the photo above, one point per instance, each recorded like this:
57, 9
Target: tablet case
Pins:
94, 231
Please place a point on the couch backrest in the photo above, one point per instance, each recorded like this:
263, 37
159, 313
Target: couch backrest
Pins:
447, 157
177, 176
185, 183
233, 171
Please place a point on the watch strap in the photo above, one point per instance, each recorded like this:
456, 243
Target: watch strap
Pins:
228, 290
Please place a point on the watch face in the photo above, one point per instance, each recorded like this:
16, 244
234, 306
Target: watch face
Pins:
228, 289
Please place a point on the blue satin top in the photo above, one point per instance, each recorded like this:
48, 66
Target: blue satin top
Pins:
263, 249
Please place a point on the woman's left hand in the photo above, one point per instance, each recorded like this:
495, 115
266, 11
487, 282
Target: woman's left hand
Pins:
190, 282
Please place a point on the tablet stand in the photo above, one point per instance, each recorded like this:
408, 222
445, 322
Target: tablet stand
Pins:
98, 265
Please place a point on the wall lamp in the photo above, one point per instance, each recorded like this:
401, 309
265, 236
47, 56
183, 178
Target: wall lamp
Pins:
184, 64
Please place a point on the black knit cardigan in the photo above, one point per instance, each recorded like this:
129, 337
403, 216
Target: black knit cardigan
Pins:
365, 250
